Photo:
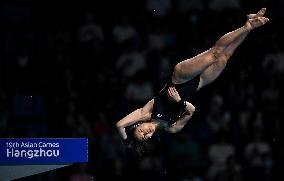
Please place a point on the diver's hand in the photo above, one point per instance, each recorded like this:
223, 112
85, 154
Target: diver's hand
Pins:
189, 108
173, 94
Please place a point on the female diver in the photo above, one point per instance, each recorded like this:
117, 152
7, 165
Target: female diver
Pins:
170, 109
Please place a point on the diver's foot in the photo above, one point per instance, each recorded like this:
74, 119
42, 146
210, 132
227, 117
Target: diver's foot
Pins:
256, 20
260, 13
253, 23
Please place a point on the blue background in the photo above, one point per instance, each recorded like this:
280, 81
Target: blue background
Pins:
70, 150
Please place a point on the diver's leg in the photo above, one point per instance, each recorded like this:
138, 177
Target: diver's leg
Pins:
214, 70
218, 54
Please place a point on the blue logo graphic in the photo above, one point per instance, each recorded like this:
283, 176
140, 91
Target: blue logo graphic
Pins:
43, 150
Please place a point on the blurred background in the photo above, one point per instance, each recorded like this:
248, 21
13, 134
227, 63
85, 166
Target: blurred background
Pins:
73, 69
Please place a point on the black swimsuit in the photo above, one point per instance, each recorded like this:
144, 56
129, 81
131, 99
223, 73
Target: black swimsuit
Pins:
168, 110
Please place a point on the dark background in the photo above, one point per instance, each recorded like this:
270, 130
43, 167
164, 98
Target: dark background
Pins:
73, 69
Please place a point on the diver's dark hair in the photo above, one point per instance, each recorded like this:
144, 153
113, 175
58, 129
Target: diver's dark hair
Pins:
143, 147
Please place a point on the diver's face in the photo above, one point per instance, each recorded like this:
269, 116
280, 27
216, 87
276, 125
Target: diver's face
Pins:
144, 131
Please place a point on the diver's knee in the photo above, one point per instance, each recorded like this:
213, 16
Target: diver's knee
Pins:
178, 69
217, 51
178, 73
220, 55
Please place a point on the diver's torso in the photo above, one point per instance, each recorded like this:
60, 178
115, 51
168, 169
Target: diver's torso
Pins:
168, 110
